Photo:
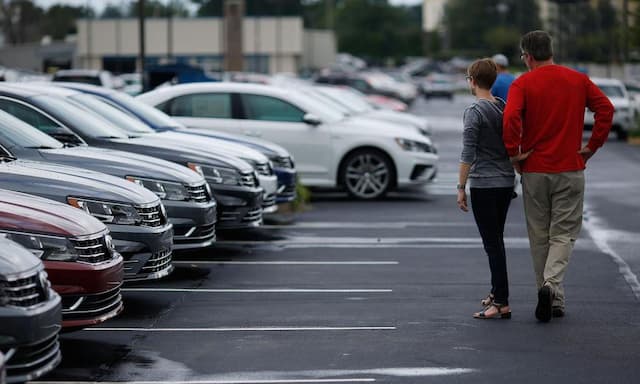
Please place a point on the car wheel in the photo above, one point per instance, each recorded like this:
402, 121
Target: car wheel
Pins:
367, 174
621, 134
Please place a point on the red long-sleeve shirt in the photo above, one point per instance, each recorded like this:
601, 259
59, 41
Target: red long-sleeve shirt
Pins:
545, 113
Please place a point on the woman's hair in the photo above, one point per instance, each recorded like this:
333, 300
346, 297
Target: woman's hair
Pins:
484, 72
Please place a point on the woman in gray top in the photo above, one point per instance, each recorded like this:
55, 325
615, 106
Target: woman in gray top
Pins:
484, 163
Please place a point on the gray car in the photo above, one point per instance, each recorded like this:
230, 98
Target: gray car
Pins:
234, 182
185, 194
135, 216
30, 315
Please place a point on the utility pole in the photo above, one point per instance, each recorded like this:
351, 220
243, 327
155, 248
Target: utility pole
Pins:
233, 51
141, 53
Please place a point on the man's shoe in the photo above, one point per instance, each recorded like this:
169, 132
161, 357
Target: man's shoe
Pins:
557, 312
545, 301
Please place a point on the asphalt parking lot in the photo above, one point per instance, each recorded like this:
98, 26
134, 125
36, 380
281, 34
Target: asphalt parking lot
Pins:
378, 292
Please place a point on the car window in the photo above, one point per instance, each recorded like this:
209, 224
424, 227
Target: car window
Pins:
212, 105
360, 85
611, 90
30, 116
267, 108
112, 114
93, 80
17, 132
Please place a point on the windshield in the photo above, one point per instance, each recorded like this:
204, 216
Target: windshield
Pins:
20, 134
327, 104
112, 114
351, 100
81, 119
153, 116
612, 90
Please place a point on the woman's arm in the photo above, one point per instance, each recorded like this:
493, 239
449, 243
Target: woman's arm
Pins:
472, 121
463, 175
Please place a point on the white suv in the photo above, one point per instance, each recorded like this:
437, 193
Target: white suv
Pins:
366, 157
623, 118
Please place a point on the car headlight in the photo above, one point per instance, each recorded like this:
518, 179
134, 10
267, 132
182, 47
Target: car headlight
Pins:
414, 146
165, 190
107, 212
217, 175
51, 248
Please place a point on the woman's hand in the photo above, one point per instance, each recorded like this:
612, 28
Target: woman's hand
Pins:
462, 200
518, 159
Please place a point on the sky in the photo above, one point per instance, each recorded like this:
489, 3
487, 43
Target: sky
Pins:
100, 4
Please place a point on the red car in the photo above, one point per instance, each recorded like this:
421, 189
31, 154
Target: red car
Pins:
77, 252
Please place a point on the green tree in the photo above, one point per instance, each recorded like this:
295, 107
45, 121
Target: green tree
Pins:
112, 11
156, 8
60, 20
252, 7
21, 21
484, 27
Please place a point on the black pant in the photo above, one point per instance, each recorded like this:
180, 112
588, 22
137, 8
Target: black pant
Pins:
490, 207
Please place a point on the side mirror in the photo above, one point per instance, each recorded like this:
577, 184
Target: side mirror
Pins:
312, 119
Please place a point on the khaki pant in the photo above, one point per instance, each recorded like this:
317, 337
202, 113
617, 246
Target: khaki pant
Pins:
553, 209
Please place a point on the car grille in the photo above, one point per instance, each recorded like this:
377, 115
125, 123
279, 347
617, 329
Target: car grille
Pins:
151, 216
288, 192
26, 291
253, 215
76, 307
93, 250
264, 169
30, 359
198, 193
249, 179
283, 162
159, 261
268, 201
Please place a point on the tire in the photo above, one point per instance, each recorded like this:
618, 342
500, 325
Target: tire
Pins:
367, 174
621, 134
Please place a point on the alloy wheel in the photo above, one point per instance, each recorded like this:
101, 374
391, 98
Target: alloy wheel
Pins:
367, 175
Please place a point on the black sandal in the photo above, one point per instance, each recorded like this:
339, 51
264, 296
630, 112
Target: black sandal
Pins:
487, 300
498, 315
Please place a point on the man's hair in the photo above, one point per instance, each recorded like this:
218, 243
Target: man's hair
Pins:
484, 72
538, 44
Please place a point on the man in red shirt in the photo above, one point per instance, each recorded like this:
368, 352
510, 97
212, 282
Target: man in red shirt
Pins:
543, 123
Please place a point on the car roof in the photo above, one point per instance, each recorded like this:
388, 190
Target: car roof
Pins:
48, 88
17, 90
79, 72
90, 88
216, 86
608, 81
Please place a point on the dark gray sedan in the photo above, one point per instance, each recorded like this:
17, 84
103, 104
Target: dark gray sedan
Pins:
30, 315
185, 194
134, 215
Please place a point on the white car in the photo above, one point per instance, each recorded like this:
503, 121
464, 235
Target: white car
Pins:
357, 103
365, 156
619, 97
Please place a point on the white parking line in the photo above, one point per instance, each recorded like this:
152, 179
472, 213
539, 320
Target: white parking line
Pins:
329, 241
239, 329
274, 290
287, 262
355, 380
366, 225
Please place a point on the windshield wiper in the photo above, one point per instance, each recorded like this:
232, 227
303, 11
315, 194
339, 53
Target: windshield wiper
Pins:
110, 137
42, 147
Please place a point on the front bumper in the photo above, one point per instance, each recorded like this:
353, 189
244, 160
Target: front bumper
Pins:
238, 207
29, 339
416, 168
270, 186
286, 185
194, 224
147, 251
90, 292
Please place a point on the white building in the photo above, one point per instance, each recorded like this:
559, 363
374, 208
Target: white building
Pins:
269, 44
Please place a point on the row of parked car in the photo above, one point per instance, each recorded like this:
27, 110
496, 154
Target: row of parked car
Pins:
98, 188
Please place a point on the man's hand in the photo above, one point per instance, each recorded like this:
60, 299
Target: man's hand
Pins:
462, 200
586, 153
518, 159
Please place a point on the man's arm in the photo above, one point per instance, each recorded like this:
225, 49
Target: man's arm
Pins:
599, 103
512, 120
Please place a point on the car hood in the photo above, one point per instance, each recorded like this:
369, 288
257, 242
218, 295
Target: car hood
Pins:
209, 144
164, 148
22, 212
265, 147
372, 126
122, 164
57, 182
619, 102
15, 259
400, 117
